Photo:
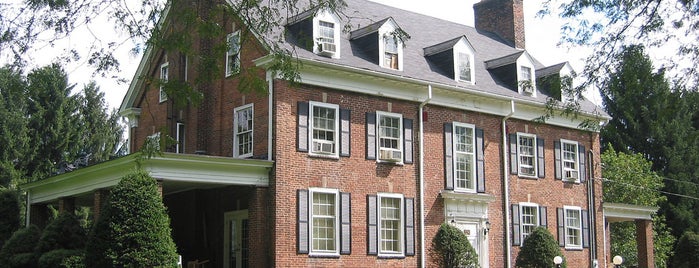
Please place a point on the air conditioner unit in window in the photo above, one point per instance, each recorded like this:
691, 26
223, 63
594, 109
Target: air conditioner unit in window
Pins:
322, 147
326, 49
571, 175
528, 90
390, 155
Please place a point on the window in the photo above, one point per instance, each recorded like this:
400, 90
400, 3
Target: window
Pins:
530, 219
179, 147
464, 158
526, 81
391, 56
324, 222
324, 219
570, 160
164, 69
465, 71
324, 128
390, 136
233, 54
243, 131
573, 227
391, 225
326, 38
527, 155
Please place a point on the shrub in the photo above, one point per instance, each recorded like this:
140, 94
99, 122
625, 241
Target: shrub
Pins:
137, 229
63, 232
538, 250
57, 257
9, 209
689, 243
18, 251
453, 249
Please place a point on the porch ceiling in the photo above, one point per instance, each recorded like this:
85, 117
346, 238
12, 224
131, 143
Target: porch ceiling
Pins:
178, 172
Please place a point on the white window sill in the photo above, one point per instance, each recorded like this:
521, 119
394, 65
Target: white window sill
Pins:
324, 255
326, 156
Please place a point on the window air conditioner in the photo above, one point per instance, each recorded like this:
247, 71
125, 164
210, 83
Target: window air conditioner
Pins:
322, 147
326, 49
390, 155
571, 175
528, 89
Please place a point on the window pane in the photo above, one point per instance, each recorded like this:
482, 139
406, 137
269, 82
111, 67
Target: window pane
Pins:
390, 225
389, 132
527, 156
464, 157
243, 131
326, 32
573, 228
529, 220
464, 67
324, 222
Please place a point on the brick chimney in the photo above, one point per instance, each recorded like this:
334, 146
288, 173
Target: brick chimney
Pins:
503, 17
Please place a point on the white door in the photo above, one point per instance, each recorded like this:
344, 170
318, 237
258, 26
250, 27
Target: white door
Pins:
474, 232
235, 239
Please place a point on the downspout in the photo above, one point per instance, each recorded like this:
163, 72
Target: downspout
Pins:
506, 185
591, 208
422, 176
270, 87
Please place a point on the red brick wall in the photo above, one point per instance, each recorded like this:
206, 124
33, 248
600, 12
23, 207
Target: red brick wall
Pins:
503, 17
296, 170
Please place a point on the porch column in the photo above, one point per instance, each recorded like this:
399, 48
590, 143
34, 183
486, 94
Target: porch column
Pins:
39, 215
66, 204
644, 243
98, 200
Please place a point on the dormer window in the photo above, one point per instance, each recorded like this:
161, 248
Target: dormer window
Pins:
465, 68
326, 33
390, 59
557, 81
525, 78
454, 58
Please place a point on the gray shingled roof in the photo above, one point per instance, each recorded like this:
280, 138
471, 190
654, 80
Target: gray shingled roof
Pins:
426, 31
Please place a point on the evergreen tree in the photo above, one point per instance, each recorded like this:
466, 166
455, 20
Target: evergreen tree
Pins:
689, 241
13, 126
100, 130
135, 230
452, 248
9, 209
538, 250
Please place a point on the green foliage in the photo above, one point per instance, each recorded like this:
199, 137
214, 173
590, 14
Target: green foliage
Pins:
58, 258
13, 126
538, 250
630, 180
623, 242
64, 232
18, 251
74, 261
452, 248
9, 208
689, 242
135, 230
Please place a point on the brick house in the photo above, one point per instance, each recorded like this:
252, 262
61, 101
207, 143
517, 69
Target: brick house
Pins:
383, 140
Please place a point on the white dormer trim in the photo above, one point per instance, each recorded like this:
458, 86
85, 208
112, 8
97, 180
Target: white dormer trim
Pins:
567, 71
525, 62
385, 31
321, 46
464, 47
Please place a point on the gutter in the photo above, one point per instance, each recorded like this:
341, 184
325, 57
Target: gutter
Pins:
506, 185
270, 82
592, 214
422, 176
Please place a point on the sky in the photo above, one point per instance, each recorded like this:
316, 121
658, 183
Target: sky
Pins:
542, 36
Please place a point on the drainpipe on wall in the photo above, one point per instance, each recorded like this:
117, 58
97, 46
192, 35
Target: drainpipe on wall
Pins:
422, 176
506, 185
270, 82
591, 207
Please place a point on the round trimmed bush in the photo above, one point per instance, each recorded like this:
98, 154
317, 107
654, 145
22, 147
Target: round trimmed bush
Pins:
57, 257
18, 251
453, 249
63, 232
538, 250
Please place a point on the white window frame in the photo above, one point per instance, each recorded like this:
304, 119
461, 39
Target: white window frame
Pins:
164, 77
570, 242
520, 156
470, 157
382, 252
459, 67
324, 16
233, 53
575, 161
251, 131
522, 224
312, 216
180, 146
336, 131
379, 137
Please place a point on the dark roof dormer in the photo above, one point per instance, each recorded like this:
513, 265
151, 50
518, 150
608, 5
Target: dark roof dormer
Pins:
317, 31
557, 81
382, 43
455, 58
516, 71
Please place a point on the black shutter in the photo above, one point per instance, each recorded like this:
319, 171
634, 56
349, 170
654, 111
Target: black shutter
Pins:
513, 154
542, 217
448, 157
345, 223
345, 142
585, 229
480, 161
302, 127
558, 168
515, 226
372, 225
407, 141
541, 164
561, 228
302, 231
583, 167
409, 227
371, 136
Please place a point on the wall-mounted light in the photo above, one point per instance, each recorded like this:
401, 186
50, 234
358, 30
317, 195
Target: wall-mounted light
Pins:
486, 228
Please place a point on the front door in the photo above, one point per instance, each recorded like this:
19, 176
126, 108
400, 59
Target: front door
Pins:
235, 239
471, 230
